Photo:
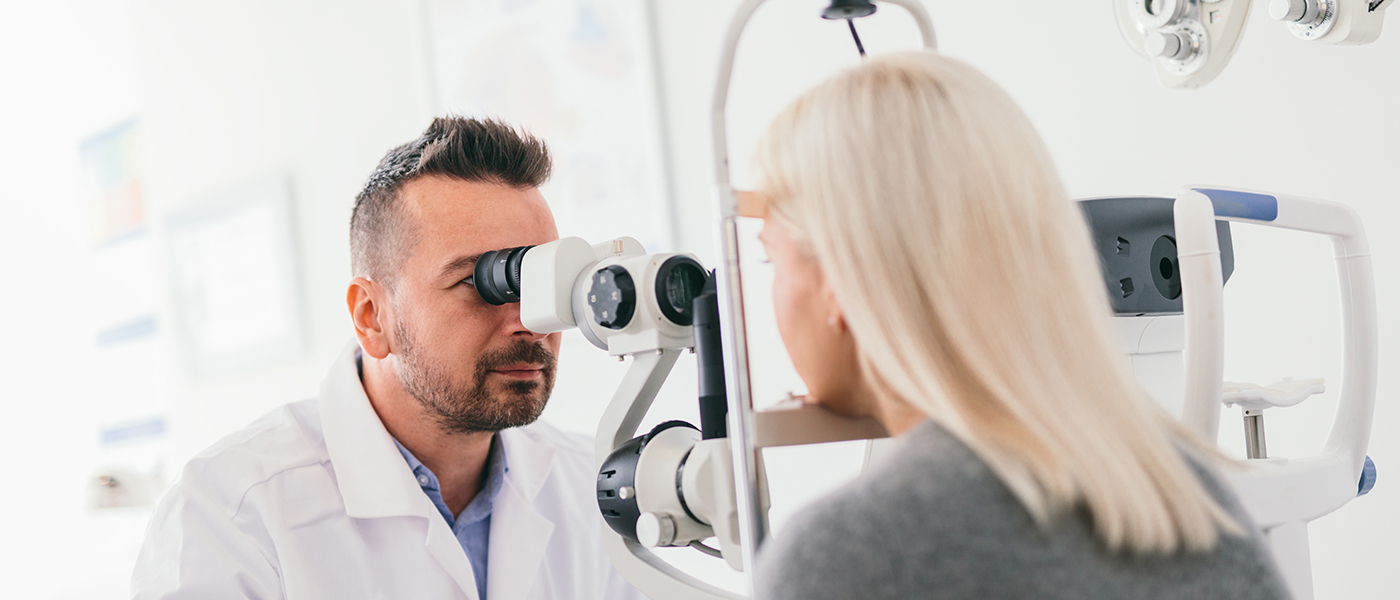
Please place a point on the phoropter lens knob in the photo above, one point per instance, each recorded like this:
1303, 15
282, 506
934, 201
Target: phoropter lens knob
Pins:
613, 297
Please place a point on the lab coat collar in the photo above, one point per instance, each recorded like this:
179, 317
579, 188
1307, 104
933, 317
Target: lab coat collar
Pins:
529, 462
376, 482
519, 533
374, 479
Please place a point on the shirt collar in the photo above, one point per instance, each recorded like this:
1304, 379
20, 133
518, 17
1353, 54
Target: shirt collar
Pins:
480, 506
363, 451
496, 468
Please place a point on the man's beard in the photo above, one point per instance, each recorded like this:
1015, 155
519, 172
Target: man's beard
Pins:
474, 408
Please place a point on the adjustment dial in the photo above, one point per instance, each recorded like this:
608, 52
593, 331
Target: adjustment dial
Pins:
1171, 45
1295, 11
613, 297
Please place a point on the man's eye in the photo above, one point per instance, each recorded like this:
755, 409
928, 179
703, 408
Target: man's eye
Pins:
470, 280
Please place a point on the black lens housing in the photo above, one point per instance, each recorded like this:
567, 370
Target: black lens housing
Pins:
1162, 263
497, 275
1135, 237
620, 471
678, 282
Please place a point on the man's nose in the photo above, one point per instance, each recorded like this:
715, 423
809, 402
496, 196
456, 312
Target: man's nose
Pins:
512, 323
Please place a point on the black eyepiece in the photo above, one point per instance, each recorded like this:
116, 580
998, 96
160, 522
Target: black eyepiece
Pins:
497, 275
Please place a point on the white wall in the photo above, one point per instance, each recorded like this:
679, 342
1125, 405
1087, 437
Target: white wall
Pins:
64, 76
1288, 116
224, 94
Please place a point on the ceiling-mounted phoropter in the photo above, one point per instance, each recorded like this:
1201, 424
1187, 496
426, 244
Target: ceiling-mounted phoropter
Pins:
1190, 41
1341, 22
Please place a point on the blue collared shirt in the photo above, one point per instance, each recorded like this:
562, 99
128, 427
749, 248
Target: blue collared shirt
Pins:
473, 525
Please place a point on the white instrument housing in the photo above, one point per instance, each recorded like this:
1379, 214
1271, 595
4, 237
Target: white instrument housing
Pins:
1153, 345
648, 329
1341, 22
1188, 41
1282, 494
549, 273
555, 281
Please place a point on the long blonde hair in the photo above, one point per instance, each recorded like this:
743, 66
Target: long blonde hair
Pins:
969, 283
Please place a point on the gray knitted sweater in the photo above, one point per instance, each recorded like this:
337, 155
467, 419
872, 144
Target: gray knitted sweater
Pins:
933, 521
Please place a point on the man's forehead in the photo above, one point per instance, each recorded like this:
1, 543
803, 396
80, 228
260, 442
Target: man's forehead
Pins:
455, 216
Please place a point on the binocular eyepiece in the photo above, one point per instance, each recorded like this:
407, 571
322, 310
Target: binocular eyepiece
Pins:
610, 294
497, 275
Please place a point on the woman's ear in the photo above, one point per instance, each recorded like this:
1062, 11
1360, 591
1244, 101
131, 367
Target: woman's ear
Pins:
367, 303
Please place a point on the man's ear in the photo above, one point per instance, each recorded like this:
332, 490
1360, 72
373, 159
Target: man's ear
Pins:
367, 302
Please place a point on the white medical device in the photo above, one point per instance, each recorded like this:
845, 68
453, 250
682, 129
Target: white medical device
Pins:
673, 486
1165, 263
622, 299
1136, 242
1188, 41
1342, 22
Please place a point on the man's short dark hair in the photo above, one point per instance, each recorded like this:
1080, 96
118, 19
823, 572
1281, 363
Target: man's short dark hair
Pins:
478, 150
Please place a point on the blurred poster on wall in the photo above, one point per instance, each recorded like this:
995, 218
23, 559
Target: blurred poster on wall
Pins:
233, 274
111, 176
125, 377
579, 74
122, 257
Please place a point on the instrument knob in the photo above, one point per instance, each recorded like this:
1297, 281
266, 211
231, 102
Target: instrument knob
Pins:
1294, 11
1169, 44
613, 297
656, 529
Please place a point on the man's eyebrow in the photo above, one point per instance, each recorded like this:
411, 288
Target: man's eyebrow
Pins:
460, 263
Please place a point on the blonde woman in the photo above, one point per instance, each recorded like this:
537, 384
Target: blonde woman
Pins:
931, 272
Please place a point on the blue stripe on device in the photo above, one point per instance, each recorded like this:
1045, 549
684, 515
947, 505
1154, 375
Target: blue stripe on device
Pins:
1242, 205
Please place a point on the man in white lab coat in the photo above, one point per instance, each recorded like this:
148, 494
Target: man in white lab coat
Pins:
419, 472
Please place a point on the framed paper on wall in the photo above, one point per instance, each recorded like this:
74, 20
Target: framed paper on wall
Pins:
579, 74
232, 262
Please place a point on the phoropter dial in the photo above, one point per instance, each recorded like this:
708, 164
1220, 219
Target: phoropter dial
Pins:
613, 297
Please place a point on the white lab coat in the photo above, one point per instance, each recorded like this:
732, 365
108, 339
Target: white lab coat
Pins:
313, 500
